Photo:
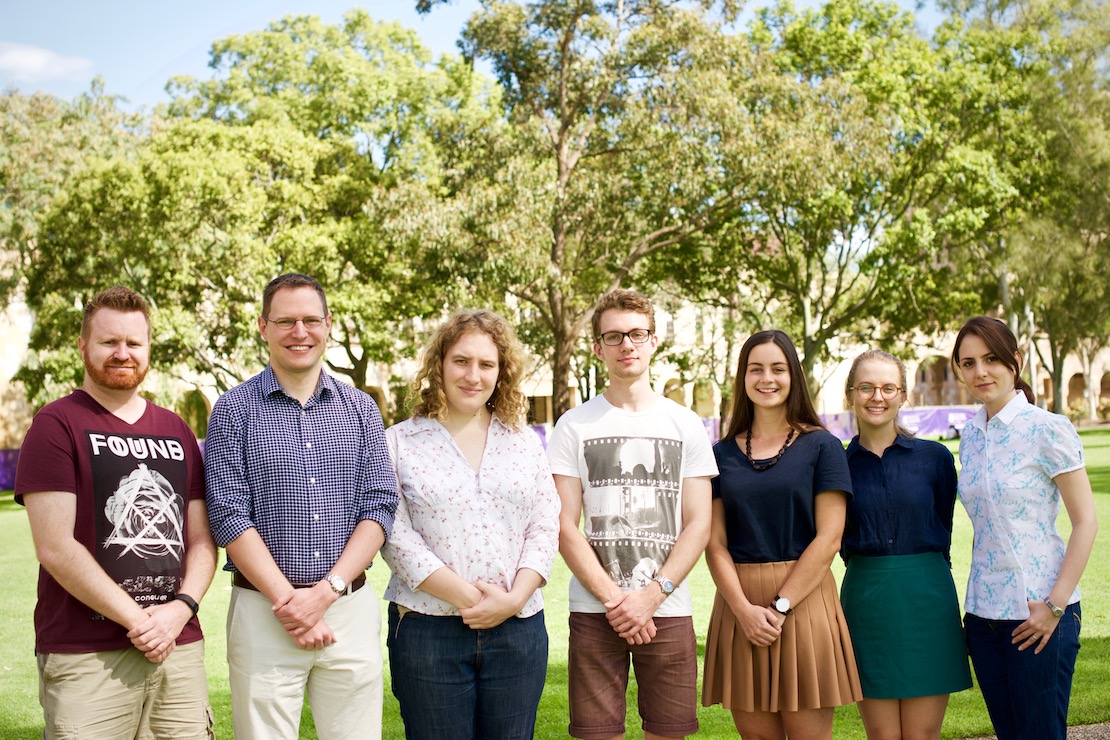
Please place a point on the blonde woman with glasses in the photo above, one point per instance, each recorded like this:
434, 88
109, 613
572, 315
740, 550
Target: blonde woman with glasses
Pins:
898, 593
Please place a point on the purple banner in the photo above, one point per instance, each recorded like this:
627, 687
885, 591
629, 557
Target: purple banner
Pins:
7, 469
943, 422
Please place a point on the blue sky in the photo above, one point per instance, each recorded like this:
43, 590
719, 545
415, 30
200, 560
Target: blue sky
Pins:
58, 46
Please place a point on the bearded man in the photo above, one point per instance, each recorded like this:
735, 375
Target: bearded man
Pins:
114, 490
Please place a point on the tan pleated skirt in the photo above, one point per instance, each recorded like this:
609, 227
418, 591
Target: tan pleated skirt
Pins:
810, 666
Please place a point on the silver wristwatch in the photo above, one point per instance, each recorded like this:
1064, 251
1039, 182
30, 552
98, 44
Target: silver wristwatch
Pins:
666, 584
336, 582
1056, 611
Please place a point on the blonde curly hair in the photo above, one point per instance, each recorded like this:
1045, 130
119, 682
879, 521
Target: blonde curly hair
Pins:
508, 402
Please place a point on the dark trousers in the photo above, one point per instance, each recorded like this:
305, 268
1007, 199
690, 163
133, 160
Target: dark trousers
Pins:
455, 682
1027, 695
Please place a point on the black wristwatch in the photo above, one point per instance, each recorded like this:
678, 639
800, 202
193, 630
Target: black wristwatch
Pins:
189, 602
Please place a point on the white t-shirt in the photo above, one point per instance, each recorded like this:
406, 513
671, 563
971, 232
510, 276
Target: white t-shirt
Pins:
631, 466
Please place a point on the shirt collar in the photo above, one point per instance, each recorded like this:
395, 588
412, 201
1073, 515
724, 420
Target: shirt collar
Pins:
270, 384
1012, 408
425, 425
899, 440
1006, 415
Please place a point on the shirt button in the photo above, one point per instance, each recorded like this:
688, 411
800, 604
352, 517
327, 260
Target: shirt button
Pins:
890, 541
309, 445
316, 554
315, 517
311, 480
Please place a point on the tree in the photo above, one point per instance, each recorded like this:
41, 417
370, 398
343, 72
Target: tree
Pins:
1066, 280
1048, 259
46, 141
380, 111
313, 149
598, 165
866, 181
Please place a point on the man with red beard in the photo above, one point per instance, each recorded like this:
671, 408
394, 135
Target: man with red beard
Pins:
114, 490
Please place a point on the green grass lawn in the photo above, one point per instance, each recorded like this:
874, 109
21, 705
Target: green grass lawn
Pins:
20, 715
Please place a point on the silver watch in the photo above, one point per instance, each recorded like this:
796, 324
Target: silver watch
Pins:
1056, 611
666, 584
336, 582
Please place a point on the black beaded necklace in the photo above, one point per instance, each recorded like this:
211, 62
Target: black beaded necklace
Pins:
770, 463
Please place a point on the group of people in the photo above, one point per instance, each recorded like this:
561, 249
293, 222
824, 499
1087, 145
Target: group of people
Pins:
303, 486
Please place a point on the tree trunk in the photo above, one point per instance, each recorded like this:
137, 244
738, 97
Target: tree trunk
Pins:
1058, 384
560, 373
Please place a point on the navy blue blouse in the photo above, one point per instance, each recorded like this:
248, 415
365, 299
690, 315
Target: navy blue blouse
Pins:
903, 500
770, 514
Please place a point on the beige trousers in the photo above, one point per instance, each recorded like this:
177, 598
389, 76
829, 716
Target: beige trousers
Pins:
270, 675
120, 694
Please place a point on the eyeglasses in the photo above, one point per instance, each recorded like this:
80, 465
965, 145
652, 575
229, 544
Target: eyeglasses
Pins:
866, 390
310, 322
616, 338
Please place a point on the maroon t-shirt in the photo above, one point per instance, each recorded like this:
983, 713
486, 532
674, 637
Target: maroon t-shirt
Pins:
133, 484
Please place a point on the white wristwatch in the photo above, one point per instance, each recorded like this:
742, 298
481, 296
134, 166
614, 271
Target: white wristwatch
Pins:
336, 582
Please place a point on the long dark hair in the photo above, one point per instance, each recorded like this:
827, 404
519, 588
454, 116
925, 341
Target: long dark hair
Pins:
1001, 342
800, 413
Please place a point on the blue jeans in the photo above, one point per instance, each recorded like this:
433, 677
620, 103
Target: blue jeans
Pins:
1026, 694
455, 682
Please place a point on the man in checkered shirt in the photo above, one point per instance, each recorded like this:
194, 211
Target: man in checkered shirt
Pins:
301, 492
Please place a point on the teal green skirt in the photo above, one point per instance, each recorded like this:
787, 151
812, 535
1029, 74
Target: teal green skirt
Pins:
905, 624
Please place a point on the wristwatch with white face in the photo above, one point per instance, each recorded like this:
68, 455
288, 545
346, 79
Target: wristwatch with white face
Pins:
336, 582
781, 604
666, 584
1056, 611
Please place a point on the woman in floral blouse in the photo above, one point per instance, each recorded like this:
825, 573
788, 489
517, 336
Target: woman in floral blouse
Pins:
1022, 607
476, 534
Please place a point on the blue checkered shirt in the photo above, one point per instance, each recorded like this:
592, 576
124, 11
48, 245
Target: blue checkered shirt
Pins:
302, 477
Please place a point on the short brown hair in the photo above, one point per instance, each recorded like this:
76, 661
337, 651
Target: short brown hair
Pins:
116, 298
291, 280
508, 402
622, 300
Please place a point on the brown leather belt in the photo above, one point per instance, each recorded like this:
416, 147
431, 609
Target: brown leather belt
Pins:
240, 580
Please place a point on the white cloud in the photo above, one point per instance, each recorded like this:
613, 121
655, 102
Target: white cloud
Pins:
34, 65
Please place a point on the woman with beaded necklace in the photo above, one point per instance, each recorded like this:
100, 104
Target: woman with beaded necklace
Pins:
778, 653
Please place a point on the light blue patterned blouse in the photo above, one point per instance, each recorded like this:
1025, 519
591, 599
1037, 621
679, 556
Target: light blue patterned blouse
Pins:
1006, 485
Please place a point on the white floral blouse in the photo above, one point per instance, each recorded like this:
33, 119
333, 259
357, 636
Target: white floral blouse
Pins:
484, 525
1006, 485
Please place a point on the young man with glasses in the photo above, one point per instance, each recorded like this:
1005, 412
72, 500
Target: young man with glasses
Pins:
301, 493
633, 468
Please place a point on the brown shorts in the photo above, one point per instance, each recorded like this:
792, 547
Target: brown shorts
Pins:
119, 693
666, 676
